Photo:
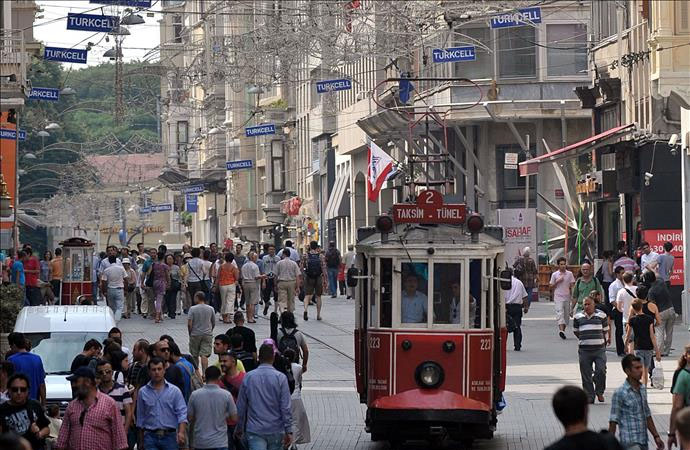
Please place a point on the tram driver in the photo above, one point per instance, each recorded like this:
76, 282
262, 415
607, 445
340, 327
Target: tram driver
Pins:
413, 302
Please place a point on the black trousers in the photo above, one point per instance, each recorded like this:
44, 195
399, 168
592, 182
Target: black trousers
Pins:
268, 290
171, 301
514, 311
33, 294
618, 321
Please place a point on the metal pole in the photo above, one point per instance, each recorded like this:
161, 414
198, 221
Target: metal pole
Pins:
685, 179
529, 155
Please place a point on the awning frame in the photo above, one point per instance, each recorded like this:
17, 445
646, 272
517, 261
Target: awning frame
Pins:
342, 182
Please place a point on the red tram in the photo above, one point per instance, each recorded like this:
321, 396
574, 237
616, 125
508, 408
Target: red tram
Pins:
430, 338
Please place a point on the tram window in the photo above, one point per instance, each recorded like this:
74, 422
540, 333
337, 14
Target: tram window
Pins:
413, 297
476, 293
448, 285
386, 292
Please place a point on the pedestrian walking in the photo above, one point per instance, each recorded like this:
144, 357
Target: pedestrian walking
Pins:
287, 276
161, 411
240, 259
222, 344
606, 274
561, 283
56, 272
289, 337
516, 305
264, 406
207, 281
161, 283
184, 287
92, 420
200, 324
191, 378
53, 414
629, 409
294, 254
268, 290
208, 411
248, 336
117, 391
350, 259
30, 364
617, 315
6, 371
45, 269
92, 350
682, 429
341, 279
625, 296
196, 280
571, 408
237, 349
585, 284
590, 326
113, 281
315, 269
251, 284
226, 281
680, 389
640, 330
666, 263
17, 275
32, 270
647, 255
525, 270
333, 261
174, 286
231, 381
129, 291
661, 297
173, 374
302, 431
626, 262
23, 416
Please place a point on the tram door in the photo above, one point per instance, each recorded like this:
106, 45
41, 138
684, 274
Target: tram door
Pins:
361, 325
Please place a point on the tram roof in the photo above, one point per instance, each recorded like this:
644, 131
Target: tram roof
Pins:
423, 236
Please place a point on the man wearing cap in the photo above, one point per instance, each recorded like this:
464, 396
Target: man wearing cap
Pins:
92, 420
130, 285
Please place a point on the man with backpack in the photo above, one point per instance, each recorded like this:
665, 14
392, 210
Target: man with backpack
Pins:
583, 286
525, 270
247, 358
289, 337
315, 283
333, 261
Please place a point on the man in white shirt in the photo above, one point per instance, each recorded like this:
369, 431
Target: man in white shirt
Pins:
647, 255
561, 283
516, 304
270, 261
626, 295
113, 279
349, 260
294, 254
251, 281
414, 304
287, 276
617, 316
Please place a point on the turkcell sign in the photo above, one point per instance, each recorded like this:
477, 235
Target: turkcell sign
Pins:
197, 188
133, 3
239, 165
260, 130
6, 133
191, 203
68, 55
333, 85
455, 54
145, 210
517, 19
22, 135
162, 207
91, 22
48, 94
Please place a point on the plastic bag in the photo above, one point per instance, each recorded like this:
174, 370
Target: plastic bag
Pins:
658, 377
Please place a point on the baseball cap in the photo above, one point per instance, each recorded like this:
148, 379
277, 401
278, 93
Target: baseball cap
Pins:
83, 371
187, 255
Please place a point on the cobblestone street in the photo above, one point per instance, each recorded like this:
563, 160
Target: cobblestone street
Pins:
544, 364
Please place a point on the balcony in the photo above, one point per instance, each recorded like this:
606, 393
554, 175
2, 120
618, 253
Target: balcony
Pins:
13, 63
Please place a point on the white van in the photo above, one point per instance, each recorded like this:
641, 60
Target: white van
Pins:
57, 335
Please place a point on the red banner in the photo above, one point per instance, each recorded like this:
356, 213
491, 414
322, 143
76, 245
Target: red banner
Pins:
656, 240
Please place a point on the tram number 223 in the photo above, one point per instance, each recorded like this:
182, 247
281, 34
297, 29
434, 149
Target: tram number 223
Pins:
485, 344
374, 342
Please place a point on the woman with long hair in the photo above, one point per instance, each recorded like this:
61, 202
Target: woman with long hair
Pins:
161, 281
173, 287
45, 274
299, 413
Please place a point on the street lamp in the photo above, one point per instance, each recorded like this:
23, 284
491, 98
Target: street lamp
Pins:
52, 126
216, 130
43, 134
67, 91
119, 31
29, 156
132, 19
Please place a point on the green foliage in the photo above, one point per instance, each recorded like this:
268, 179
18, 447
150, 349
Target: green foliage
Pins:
12, 299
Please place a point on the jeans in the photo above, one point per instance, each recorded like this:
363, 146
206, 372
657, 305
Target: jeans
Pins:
515, 312
664, 331
333, 280
116, 299
154, 442
265, 441
529, 294
593, 384
33, 294
618, 320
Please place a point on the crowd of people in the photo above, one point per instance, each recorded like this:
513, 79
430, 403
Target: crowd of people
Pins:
154, 396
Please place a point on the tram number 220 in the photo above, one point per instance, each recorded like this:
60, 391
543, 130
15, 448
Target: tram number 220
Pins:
374, 342
485, 344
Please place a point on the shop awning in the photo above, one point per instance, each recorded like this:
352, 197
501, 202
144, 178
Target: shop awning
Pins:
531, 166
336, 199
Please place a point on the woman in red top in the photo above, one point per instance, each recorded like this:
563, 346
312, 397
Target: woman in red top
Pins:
227, 276
341, 278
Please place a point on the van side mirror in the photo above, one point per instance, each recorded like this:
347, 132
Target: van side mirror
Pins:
350, 278
506, 274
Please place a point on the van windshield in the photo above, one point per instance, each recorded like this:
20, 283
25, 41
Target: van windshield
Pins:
57, 350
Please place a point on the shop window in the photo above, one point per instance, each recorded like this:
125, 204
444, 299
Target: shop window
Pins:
566, 51
414, 302
511, 176
277, 170
517, 52
177, 28
482, 66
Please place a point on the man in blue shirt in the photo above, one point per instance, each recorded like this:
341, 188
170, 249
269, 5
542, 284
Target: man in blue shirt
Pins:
263, 405
161, 411
29, 364
17, 270
414, 303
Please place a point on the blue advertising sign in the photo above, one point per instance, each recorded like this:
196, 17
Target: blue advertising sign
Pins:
133, 3
145, 210
333, 85
239, 165
455, 54
69, 55
162, 207
195, 189
11, 135
517, 18
191, 203
260, 130
48, 94
91, 22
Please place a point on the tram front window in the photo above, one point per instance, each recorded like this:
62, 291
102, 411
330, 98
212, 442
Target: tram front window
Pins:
414, 301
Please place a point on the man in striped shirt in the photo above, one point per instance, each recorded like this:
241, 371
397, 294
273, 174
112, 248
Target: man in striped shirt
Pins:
591, 327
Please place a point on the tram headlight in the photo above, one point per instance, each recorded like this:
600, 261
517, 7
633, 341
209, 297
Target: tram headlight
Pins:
429, 375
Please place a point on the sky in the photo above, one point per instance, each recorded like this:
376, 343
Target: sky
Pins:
54, 33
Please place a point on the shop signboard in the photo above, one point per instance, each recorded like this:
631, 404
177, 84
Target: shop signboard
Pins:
333, 85
191, 205
68, 55
517, 18
455, 54
657, 239
519, 231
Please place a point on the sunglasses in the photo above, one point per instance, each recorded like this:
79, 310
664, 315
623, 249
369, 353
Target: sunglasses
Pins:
19, 389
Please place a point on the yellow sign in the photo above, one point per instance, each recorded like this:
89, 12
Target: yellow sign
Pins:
587, 186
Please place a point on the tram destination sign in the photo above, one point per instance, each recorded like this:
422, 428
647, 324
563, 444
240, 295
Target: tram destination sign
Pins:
430, 209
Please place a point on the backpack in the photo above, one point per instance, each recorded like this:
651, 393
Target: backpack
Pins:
194, 380
600, 273
246, 358
282, 366
519, 268
333, 258
289, 341
313, 269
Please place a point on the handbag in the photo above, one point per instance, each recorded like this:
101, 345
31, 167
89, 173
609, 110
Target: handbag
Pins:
149, 278
658, 377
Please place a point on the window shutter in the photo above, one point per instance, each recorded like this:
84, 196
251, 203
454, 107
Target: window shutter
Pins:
682, 13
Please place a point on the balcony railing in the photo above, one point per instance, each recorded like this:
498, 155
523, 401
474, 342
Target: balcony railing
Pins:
13, 61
